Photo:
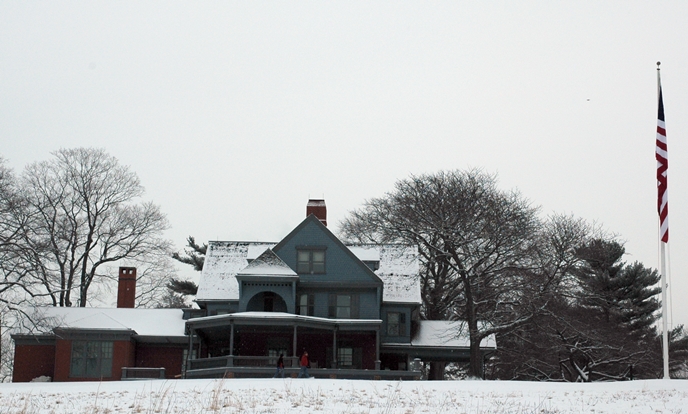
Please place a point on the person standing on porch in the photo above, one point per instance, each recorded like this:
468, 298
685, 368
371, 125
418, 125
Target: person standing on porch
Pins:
304, 366
280, 367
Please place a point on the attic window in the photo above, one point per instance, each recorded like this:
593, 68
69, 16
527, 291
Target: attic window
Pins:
310, 260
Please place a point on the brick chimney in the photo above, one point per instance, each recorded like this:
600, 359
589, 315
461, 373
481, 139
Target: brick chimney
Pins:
318, 208
126, 288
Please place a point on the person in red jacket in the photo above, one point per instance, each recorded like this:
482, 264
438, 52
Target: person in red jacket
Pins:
280, 367
304, 366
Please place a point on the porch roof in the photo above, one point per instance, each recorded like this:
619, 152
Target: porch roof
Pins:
441, 341
447, 334
281, 319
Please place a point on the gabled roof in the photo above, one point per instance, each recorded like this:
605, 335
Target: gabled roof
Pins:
268, 264
314, 221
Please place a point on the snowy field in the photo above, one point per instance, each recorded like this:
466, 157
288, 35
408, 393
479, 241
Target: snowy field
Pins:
342, 396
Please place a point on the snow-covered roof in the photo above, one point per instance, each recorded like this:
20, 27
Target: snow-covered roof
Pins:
366, 253
450, 334
398, 269
145, 322
272, 316
223, 260
268, 264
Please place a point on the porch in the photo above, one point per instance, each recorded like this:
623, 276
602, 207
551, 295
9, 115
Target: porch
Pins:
265, 367
248, 345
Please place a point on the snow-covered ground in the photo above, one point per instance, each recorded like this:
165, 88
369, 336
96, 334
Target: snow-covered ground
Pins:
341, 396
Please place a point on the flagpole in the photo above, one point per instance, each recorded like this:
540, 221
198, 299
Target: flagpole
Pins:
662, 243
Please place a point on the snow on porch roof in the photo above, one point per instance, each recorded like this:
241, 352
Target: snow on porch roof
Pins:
450, 334
145, 322
398, 269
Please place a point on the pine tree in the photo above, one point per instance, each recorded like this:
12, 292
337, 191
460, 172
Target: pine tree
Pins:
599, 328
194, 254
178, 289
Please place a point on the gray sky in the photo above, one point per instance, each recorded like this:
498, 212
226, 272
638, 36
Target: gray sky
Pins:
233, 114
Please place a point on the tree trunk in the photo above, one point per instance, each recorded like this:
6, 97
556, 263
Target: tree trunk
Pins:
476, 366
436, 371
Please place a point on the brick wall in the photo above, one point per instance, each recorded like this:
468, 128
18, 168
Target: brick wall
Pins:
31, 361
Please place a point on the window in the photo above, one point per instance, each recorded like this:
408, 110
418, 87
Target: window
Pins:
268, 302
345, 357
343, 306
306, 305
185, 355
348, 356
310, 261
277, 346
396, 324
91, 359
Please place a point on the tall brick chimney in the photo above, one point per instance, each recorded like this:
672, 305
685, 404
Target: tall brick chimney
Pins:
318, 208
126, 288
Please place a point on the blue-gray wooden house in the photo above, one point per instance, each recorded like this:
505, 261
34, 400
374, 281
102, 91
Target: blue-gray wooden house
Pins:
353, 308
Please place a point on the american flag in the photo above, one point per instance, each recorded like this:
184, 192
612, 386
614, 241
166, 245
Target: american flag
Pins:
662, 165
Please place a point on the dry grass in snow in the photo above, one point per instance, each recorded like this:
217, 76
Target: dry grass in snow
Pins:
342, 396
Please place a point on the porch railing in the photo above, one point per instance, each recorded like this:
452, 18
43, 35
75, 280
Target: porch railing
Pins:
268, 372
242, 361
129, 373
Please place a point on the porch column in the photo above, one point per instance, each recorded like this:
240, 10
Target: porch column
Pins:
199, 341
230, 358
334, 348
191, 335
188, 354
231, 339
294, 342
377, 348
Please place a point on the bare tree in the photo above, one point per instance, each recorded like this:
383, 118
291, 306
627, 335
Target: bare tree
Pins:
84, 215
480, 247
63, 225
14, 269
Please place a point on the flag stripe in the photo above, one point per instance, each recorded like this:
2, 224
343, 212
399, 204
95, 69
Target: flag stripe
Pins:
662, 157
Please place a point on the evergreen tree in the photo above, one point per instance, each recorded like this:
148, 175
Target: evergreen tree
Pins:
194, 254
179, 289
599, 328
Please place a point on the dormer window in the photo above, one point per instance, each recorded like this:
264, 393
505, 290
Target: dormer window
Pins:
372, 264
310, 260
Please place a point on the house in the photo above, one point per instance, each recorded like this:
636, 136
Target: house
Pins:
354, 308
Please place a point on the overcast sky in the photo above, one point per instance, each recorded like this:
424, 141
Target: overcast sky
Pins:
233, 114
